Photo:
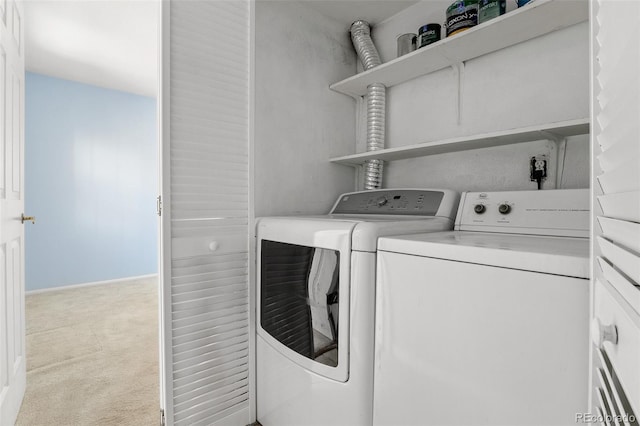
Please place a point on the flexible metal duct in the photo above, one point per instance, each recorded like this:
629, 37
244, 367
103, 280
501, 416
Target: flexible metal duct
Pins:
376, 102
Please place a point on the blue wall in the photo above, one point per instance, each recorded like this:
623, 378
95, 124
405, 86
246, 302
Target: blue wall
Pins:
91, 179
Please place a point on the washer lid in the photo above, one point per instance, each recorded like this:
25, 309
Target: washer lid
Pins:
552, 255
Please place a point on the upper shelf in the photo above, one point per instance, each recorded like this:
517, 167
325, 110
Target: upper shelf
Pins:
557, 130
533, 20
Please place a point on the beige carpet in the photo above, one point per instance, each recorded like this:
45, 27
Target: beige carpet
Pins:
92, 356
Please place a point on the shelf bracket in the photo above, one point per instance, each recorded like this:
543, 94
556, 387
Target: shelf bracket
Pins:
458, 75
561, 153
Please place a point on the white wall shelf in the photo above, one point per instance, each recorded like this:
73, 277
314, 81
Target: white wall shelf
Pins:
552, 131
533, 20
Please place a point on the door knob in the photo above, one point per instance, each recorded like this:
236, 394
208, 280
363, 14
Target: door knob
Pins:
24, 218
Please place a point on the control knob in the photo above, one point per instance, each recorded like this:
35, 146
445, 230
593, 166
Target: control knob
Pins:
479, 208
504, 208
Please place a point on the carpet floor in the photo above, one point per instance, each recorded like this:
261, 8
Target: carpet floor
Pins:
92, 356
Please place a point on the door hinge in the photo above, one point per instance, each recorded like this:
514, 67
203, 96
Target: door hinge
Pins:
159, 205
162, 423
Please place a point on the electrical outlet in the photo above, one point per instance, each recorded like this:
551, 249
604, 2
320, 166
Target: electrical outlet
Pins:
538, 169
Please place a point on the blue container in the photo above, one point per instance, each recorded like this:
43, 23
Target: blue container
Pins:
523, 2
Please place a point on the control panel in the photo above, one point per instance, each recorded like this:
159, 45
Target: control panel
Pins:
550, 212
410, 202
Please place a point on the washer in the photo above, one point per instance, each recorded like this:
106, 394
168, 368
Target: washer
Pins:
316, 300
487, 324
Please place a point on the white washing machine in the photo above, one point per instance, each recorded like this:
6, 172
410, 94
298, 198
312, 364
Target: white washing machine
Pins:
487, 324
316, 299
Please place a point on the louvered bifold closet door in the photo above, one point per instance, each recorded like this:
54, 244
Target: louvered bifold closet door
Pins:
616, 310
208, 201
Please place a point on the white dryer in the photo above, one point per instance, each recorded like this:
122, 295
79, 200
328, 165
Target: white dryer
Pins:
316, 299
487, 324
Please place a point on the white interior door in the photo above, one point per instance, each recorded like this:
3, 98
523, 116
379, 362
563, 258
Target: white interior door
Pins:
12, 327
205, 215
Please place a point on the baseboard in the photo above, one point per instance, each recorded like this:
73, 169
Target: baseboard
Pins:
91, 284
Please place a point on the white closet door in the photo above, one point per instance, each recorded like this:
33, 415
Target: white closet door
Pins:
12, 319
205, 110
615, 374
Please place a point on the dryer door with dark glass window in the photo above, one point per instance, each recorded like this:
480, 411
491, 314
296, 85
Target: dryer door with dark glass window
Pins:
301, 291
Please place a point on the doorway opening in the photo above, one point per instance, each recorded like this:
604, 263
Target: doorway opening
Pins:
91, 181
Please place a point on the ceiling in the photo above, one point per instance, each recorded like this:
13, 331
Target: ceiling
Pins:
107, 43
115, 43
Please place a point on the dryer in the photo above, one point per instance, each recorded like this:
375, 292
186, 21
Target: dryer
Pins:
316, 301
487, 324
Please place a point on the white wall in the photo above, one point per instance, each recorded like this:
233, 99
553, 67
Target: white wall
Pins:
499, 168
91, 173
540, 81
299, 122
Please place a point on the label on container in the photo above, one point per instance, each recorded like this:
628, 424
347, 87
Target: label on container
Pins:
457, 22
490, 9
428, 37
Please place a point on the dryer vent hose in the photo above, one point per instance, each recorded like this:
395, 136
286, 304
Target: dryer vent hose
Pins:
376, 102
